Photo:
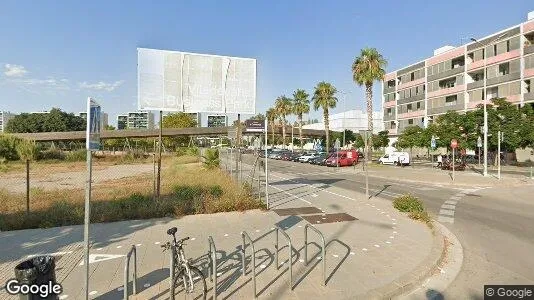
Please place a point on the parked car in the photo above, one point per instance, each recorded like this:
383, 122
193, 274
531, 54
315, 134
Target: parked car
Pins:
343, 158
395, 158
286, 156
307, 157
319, 160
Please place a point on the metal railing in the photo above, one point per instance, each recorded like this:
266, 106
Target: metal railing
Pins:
323, 248
133, 252
244, 235
278, 229
212, 265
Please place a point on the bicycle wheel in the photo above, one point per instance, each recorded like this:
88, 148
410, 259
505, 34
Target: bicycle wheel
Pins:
182, 284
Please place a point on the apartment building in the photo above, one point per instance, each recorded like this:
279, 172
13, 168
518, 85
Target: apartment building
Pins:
453, 78
354, 120
104, 118
122, 122
140, 120
5, 116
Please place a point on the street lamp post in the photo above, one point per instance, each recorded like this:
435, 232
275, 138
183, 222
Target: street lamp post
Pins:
485, 100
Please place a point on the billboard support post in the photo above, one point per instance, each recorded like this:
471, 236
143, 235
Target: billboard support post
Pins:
158, 179
266, 169
92, 144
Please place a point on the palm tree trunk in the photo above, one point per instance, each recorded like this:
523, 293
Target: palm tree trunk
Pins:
300, 130
369, 96
284, 133
327, 130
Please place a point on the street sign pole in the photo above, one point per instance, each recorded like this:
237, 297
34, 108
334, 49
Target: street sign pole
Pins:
92, 144
499, 154
454, 145
266, 169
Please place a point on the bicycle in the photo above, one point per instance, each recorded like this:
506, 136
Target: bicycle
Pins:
187, 278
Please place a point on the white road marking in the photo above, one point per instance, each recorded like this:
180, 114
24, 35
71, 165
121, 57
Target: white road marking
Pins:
257, 230
118, 247
377, 246
219, 274
446, 212
263, 266
193, 239
63, 297
226, 234
394, 232
318, 258
95, 258
391, 237
314, 195
455, 198
138, 245
335, 255
93, 293
451, 202
443, 219
300, 226
448, 206
364, 249
120, 289
352, 253
388, 242
283, 191
157, 243
301, 260
98, 249
49, 254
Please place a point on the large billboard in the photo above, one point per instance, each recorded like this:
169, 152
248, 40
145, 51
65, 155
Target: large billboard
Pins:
190, 82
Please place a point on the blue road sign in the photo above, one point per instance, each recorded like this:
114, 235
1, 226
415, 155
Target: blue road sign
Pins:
93, 125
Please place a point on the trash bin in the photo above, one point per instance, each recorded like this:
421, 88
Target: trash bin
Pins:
39, 270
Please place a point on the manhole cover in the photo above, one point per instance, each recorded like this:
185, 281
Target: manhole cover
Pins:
329, 218
297, 211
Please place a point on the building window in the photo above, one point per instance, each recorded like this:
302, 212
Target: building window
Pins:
391, 83
493, 92
418, 105
494, 49
504, 69
448, 83
410, 122
392, 124
451, 100
389, 112
412, 76
508, 46
409, 107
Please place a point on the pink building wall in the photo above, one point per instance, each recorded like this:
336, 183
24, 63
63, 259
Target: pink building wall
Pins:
390, 76
528, 72
411, 84
529, 26
389, 104
452, 90
443, 57
412, 114
495, 59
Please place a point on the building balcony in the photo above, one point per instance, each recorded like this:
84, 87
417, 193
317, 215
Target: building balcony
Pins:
511, 99
528, 49
443, 109
412, 114
476, 84
503, 78
392, 131
528, 96
389, 117
411, 99
388, 90
411, 83
446, 74
442, 92
494, 59
389, 104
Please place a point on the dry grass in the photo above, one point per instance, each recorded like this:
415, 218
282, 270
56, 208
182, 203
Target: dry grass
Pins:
206, 191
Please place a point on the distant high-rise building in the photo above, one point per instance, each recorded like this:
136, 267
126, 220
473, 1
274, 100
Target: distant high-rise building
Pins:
140, 120
4, 118
103, 118
217, 121
122, 122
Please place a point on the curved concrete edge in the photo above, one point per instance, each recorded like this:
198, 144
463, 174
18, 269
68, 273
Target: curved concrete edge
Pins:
410, 283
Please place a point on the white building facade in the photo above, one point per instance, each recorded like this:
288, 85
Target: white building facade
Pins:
353, 120
4, 118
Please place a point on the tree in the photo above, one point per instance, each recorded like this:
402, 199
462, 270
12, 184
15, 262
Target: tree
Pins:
109, 127
410, 137
178, 120
381, 139
271, 116
324, 97
366, 69
301, 105
26, 149
258, 117
54, 121
283, 108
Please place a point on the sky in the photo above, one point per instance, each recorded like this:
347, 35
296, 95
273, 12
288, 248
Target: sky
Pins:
58, 53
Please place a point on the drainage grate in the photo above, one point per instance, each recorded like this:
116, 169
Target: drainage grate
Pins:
297, 211
329, 218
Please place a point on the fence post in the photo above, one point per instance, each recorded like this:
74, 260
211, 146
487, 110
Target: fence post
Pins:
27, 186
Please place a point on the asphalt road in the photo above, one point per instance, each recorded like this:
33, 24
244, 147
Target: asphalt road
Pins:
494, 225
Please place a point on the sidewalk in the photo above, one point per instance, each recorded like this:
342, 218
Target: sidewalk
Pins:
442, 177
372, 256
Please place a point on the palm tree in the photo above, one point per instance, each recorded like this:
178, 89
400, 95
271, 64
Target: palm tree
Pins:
324, 97
366, 69
283, 107
301, 105
271, 116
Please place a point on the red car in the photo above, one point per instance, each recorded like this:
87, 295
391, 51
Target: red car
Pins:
346, 158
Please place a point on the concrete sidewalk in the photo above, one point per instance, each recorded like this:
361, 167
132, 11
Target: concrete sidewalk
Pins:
375, 255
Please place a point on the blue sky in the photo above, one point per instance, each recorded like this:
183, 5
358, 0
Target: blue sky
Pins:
57, 53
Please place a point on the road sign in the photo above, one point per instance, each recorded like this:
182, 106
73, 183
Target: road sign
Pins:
93, 125
479, 142
337, 144
94, 258
255, 125
454, 143
433, 142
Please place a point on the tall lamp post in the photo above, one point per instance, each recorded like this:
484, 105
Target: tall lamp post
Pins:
344, 111
485, 98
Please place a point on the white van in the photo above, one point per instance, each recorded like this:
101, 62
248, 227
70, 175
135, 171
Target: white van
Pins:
396, 158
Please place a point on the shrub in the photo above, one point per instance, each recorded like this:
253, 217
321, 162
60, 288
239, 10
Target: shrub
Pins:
408, 203
78, 155
50, 154
26, 149
211, 159
8, 147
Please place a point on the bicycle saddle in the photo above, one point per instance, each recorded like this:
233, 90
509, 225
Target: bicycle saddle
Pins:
172, 231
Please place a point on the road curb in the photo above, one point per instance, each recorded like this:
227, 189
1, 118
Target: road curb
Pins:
459, 184
411, 280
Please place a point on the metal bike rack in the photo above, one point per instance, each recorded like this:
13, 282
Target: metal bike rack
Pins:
212, 265
133, 252
171, 275
323, 248
278, 229
244, 235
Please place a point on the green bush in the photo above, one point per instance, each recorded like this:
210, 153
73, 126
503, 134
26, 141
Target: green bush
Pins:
211, 158
8, 147
408, 203
50, 154
78, 155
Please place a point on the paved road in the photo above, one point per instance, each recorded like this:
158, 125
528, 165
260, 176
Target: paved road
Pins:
494, 225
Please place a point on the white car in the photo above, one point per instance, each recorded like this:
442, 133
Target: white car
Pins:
307, 157
396, 158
